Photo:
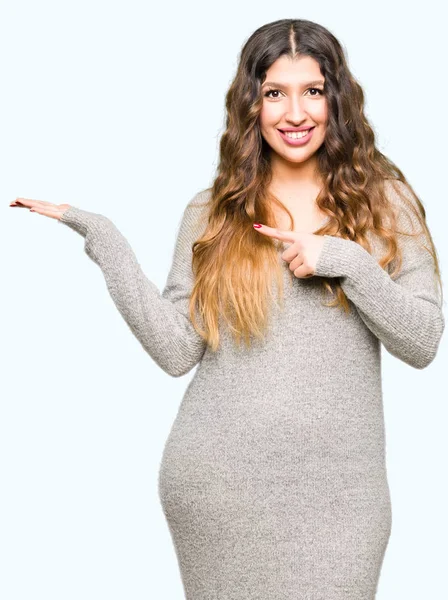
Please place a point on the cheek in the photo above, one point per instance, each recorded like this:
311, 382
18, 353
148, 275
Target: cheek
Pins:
269, 115
321, 113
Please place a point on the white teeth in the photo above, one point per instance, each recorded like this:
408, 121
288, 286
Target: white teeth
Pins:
295, 135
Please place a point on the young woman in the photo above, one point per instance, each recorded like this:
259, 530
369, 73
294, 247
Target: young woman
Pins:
273, 478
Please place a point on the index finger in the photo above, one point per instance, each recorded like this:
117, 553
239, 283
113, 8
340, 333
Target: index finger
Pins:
30, 202
279, 234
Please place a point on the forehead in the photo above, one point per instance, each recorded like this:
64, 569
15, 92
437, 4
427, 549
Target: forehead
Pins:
294, 71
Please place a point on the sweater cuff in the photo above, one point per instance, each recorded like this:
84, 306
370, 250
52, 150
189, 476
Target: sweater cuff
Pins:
73, 217
85, 222
341, 257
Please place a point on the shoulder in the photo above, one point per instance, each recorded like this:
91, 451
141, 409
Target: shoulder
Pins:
200, 201
399, 201
194, 218
407, 206
199, 205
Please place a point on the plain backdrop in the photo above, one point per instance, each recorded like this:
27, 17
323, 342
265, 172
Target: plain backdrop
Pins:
117, 108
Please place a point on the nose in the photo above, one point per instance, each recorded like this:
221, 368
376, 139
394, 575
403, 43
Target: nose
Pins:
295, 110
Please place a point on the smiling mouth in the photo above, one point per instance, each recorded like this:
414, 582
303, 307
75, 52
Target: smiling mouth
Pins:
301, 131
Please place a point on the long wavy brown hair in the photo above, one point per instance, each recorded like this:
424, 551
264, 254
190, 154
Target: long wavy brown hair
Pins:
234, 267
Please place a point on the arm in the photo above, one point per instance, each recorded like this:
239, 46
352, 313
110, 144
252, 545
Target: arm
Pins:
404, 313
159, 321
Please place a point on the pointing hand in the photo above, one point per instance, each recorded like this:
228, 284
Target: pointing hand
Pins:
304, 251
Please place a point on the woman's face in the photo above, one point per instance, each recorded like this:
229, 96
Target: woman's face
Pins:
293, 98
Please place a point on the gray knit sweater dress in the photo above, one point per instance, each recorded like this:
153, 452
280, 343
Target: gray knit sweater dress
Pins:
273, 477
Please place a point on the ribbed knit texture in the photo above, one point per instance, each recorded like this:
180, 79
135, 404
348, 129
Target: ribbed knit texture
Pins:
273, 478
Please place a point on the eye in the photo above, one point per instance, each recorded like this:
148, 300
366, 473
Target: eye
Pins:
269, 91
320, 92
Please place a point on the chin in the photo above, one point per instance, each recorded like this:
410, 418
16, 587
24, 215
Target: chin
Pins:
296, 160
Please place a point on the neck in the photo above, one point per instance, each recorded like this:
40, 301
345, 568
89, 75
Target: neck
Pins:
294, 178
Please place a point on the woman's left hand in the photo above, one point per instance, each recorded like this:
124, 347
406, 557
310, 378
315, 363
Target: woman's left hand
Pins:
304, 251
48, 209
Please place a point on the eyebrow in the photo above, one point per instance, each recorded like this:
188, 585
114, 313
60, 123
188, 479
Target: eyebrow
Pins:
316, 82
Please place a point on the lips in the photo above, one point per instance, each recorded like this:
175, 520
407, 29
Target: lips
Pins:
296, 130
297, 141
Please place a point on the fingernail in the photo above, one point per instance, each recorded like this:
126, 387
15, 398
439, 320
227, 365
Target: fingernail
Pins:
257, 225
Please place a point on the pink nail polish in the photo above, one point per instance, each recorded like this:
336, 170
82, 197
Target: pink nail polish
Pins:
257, 225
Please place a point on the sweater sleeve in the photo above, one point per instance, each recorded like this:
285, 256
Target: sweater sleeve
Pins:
159, 320
405, 313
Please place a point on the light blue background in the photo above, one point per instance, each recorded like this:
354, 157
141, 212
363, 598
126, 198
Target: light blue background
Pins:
117, 108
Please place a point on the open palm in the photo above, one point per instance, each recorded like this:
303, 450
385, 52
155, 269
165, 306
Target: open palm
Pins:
55, 211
